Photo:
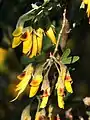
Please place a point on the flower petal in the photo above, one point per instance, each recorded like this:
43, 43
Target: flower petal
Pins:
68, 86
33, 91
36, 80
21, 76
27, 44
20, 89
45, 97
29, 69
68, 77
16, 42
59, 84
22, 85
60, 91
85, 1
17, 31
25, 35
51, 35
24, 82
45, 84
88, 9
63, 71
44, 102
35, 83
60, 101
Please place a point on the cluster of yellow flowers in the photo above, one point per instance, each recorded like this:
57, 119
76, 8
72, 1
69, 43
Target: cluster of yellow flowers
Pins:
32, 39
30, 77
36, 77
33, 77
64, 82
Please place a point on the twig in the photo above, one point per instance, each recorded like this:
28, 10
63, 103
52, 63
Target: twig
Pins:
24, 17
27, 16
53, 58
57, 68
60, 33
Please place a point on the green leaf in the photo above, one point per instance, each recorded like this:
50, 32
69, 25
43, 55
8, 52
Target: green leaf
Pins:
75, 58
67, 60
25, 60
66, 53
70, 60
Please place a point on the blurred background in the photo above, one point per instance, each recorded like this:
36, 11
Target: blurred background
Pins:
10, 59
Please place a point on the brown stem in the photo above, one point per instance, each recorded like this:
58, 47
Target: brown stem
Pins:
60, 33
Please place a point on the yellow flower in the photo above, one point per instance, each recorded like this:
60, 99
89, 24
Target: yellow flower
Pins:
50, 34
87, 2
64, 81
60, 86
60, 95
68, 82
26, 38
17, 34
22, 75
22, 35
68, 86
34, 85
24, 80
60, 101
17, 31
45, 97
46, 92
36, 80
88, 9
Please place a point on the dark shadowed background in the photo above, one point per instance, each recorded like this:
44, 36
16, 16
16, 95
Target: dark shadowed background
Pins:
10, 60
